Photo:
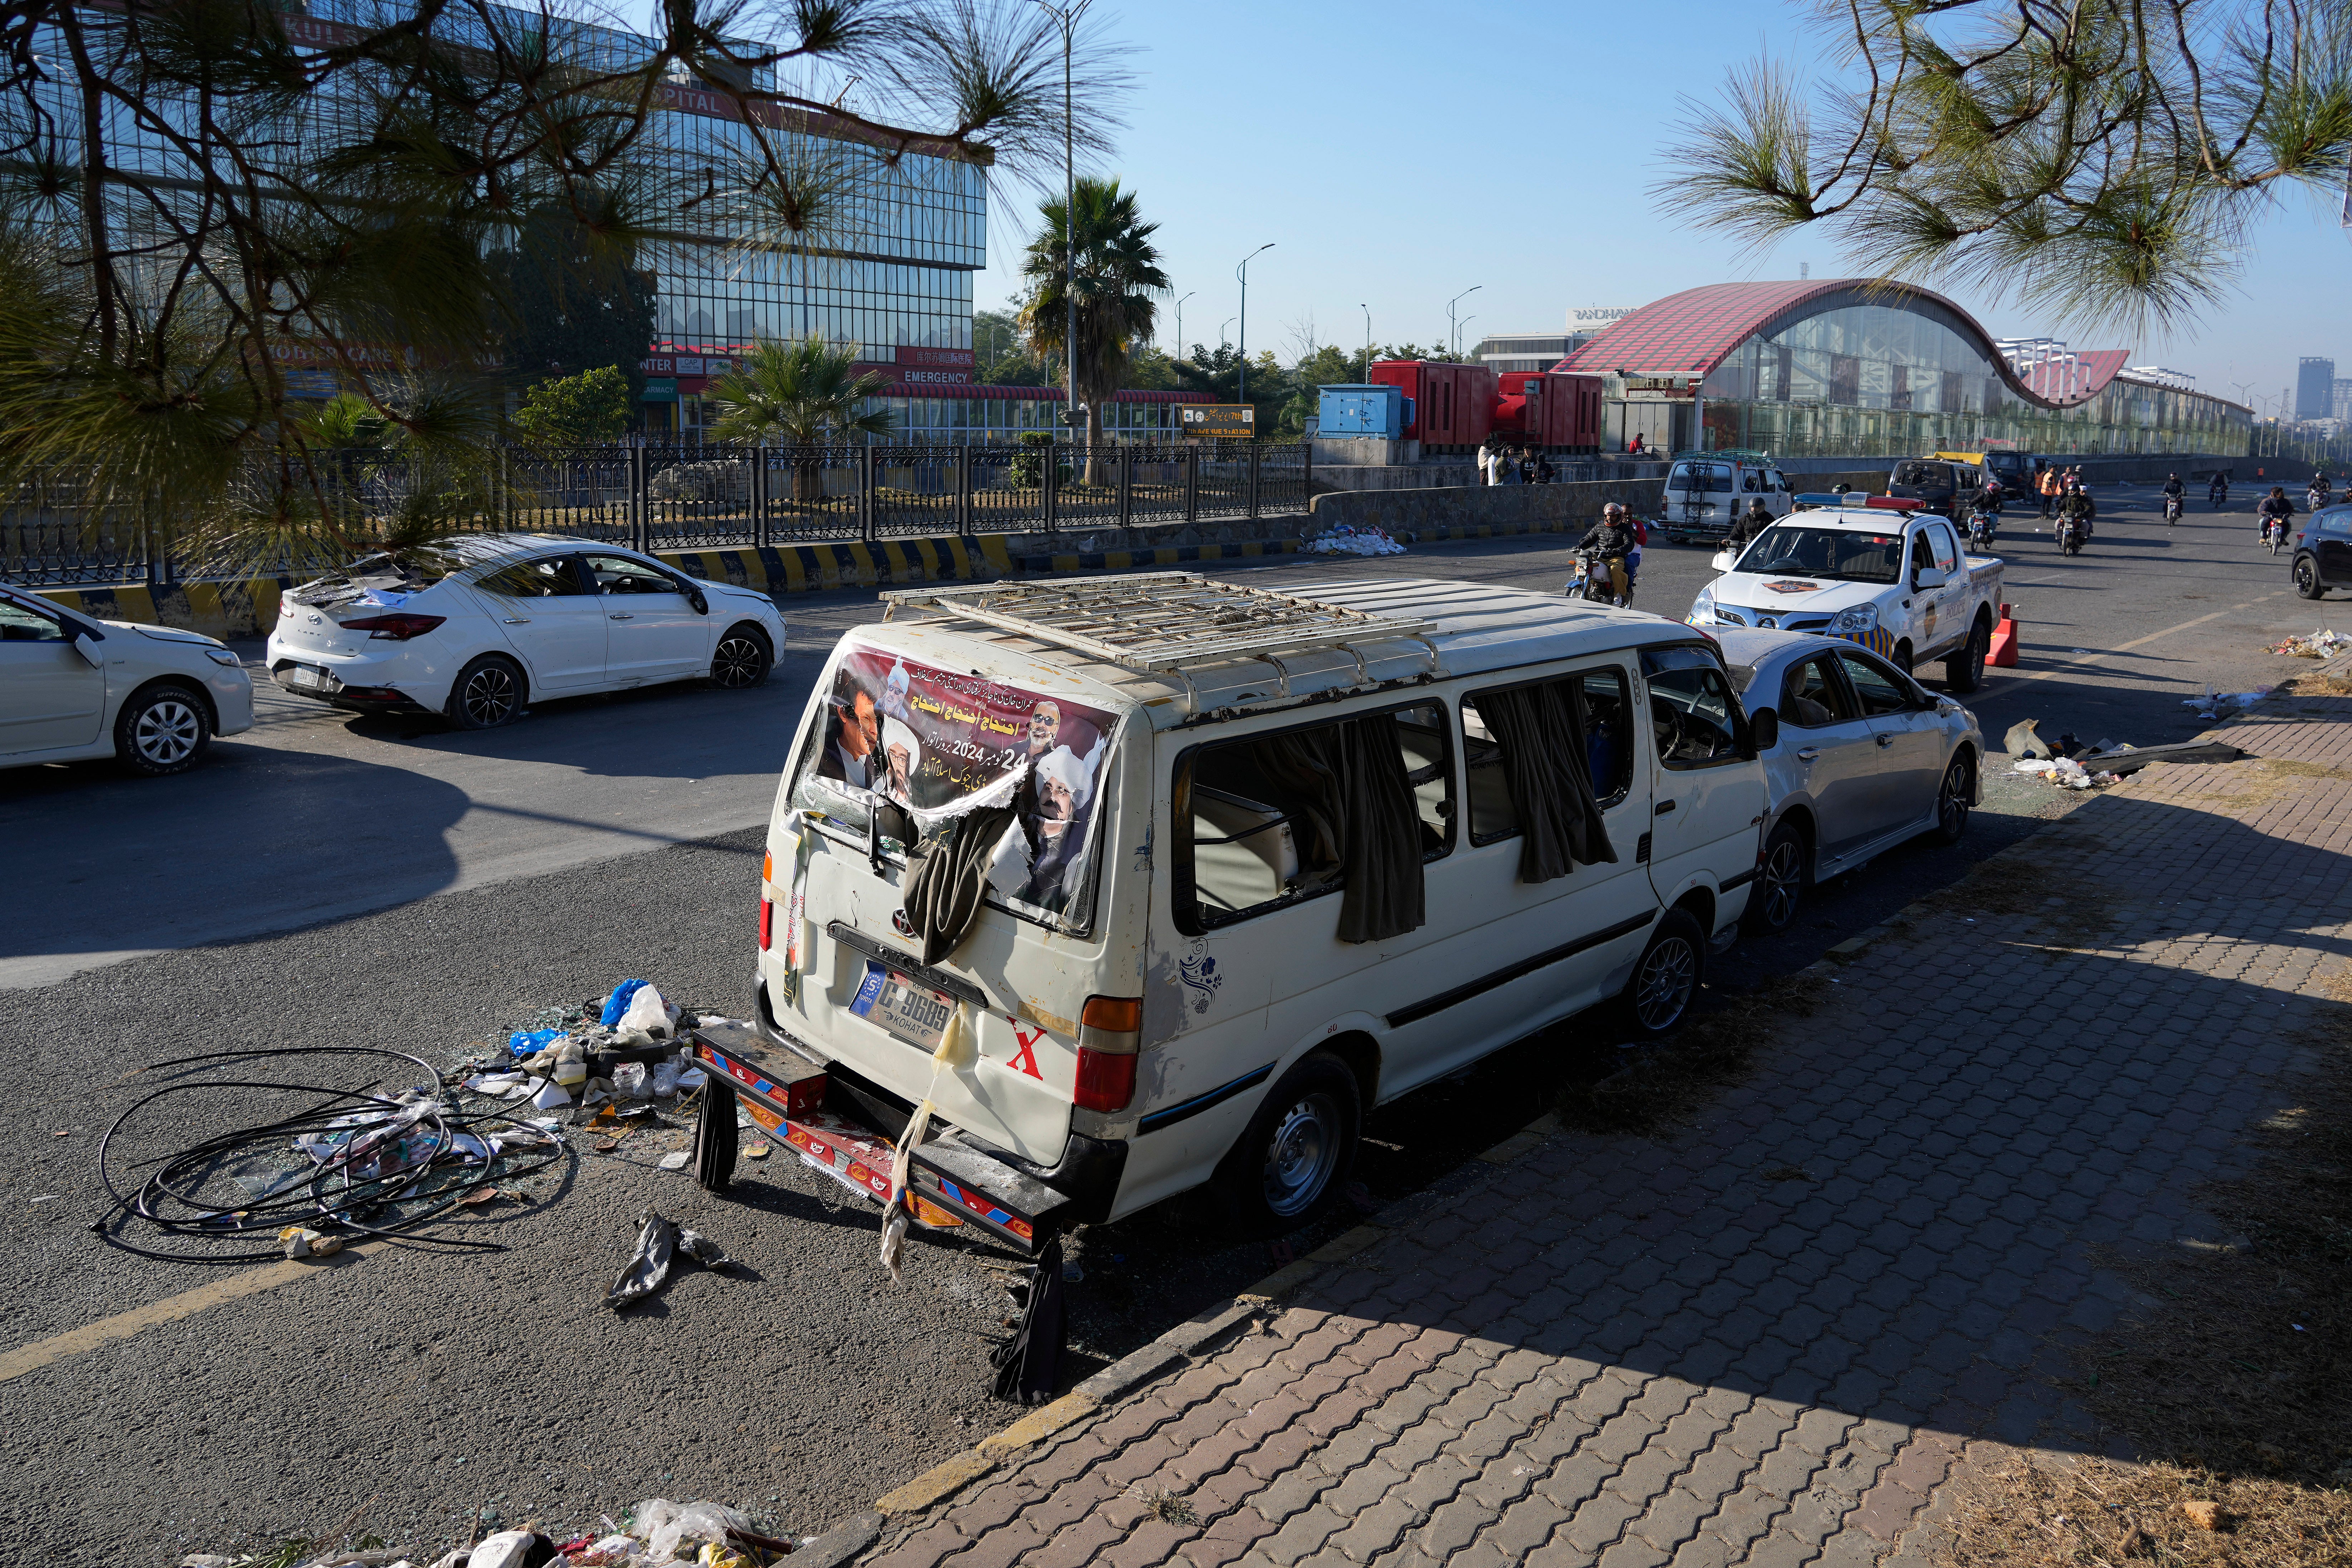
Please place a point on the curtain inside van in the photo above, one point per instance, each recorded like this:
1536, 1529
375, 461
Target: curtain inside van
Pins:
1542, 731
1356, 818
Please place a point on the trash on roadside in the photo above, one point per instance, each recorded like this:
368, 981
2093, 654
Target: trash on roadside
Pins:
550, 1096
2024, 740
646, 1018
618, 1002
303, 1242
667, 1526
659, 1242
511, 1549
2065, 773
1029, 1364
664, 1078
2318, 645
673, 1160
2210, 704
530, 1042
629, 1081
1347, 538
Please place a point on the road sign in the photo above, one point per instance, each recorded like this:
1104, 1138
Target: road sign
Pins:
1217, 420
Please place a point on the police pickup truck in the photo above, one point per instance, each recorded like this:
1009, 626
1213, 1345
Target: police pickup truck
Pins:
1876, 572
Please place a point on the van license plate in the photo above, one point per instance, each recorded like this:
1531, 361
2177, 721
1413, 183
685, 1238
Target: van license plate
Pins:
916, 1014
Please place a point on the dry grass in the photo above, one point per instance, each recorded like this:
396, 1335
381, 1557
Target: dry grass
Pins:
1712, 1050
2320, 684
2234, 1379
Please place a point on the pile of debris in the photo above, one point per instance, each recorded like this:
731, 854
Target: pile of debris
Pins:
1347, 538
2069, 765
2065, 773
2318, 645
2212, 704
656, 1533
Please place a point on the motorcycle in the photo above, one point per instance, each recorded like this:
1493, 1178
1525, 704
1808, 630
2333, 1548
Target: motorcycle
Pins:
2314, 498
1590, 581
2274, 534
2171, 510
2073, 532
2218, 496
1981, 527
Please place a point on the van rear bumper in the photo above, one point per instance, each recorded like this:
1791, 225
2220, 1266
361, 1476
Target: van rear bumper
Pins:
1088, 1173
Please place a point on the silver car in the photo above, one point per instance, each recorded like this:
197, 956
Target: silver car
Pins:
1865, 758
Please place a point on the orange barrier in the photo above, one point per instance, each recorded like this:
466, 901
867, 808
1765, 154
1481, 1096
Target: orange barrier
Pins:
2002, 654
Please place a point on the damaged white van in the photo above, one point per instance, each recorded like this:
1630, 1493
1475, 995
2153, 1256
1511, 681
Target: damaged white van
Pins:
1198, 872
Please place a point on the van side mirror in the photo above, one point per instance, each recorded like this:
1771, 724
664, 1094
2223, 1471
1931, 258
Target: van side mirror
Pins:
1764, 728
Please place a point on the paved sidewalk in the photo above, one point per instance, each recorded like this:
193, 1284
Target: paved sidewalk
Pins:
1773, 1337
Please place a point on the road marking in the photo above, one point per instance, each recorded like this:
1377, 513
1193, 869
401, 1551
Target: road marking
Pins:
2073, 664
16, 1363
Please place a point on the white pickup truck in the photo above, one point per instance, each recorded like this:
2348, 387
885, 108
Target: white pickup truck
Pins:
1894, 581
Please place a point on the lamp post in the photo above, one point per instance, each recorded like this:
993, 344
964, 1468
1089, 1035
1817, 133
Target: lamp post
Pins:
1222, 339
1067, 14
1367, 309
1242, 272
1180, 324
1452, 334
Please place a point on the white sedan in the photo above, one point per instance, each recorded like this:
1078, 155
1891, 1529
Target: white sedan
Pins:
485, 623
72, 687
1865, 758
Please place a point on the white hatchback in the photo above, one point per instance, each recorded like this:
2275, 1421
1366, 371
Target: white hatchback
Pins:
491, 621
73, 687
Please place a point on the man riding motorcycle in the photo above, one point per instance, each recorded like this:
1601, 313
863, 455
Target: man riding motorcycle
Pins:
1612, 541
1986, 517
2218, 492
2176, 496
2074, 509
2273, 513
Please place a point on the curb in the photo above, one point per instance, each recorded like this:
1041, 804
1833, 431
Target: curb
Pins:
1200, 1335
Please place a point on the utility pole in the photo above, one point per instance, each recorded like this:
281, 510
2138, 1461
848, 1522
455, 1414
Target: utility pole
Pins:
1067, 14
1367, 309
1180, 324
1242, 272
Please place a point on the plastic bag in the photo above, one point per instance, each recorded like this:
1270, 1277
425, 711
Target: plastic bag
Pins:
618, 1002
506, 1549
648, 1015
530, 1042
664, 1078
697, 1522
629, 1081
609, 1552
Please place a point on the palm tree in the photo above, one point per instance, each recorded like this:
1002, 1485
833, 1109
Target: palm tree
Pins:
801, 394
1118, 274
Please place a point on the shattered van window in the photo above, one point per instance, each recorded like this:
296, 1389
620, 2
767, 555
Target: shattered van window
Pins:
936, 743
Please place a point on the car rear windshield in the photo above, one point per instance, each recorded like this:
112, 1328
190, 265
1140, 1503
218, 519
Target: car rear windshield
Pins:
1927, 474
1700, 477
1833, 552
383, 579
904, 749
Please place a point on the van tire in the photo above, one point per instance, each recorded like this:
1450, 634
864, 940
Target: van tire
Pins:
714, 1137
1291, 1163
1666, 978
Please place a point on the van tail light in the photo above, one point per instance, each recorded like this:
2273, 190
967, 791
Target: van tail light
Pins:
397, 627
1106, 1080
767, 923
1110, 1028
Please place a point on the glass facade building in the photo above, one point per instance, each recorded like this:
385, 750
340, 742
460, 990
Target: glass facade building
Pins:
1849, 369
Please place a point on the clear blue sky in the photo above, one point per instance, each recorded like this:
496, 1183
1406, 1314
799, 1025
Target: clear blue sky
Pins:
1399, 154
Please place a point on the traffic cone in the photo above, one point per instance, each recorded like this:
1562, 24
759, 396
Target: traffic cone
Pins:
2002, 654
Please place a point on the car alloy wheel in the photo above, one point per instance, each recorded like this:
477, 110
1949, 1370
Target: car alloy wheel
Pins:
1663, 990
1783, 880
1302, 1154
489, 696
1952, 800
739, 662
2307, 578
167, 732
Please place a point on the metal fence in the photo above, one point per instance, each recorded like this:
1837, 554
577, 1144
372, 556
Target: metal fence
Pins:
701, 498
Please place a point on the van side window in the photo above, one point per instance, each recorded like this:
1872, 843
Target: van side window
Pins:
1574, 756
1355, 807
1693, 713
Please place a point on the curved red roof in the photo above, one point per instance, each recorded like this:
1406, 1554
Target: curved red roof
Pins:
1691, 332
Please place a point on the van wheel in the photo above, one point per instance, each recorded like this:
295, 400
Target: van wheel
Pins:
1290, 1164
1666, 979
714, 1136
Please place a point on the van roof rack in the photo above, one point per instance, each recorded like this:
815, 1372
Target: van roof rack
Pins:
1170, 623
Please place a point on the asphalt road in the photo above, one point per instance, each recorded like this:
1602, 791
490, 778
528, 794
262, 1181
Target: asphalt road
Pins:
601, 839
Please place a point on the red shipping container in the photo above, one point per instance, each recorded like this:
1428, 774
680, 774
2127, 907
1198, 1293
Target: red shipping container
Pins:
1453, 404
1550, 409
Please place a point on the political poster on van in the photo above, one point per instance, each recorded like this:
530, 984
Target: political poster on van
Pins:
932, 740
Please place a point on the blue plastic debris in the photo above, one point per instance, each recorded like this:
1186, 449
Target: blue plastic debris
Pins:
617, 1003
530, 1042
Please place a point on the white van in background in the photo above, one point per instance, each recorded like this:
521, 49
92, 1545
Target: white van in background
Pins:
1705, 492
1239, 865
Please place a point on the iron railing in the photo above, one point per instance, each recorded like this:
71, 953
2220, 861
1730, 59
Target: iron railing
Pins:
53, 533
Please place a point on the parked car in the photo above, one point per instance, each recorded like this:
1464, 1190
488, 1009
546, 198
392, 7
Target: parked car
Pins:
2322, 553
480, 626
1863, 759
73, 687
1265, 862
1899, 583
1945, 485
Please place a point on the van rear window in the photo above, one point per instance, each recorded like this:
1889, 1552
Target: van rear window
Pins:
904, 749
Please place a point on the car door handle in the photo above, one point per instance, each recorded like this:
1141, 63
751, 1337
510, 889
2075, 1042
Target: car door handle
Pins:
1808, 753
625, 618
517, 620
1886, 740
1663, 806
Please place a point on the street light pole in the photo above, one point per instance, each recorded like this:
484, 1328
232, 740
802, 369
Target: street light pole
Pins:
1067, 16
1242, 272
1180, 324
1453, 344
1367, 309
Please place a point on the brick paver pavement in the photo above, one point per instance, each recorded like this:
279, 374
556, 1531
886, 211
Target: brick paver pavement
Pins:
1630, 1352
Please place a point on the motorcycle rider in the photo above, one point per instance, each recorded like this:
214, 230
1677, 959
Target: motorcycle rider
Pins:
1986, 518
1611, 539
2074, 509
2218, 492
1746, 525
2274, 506
2176, 497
